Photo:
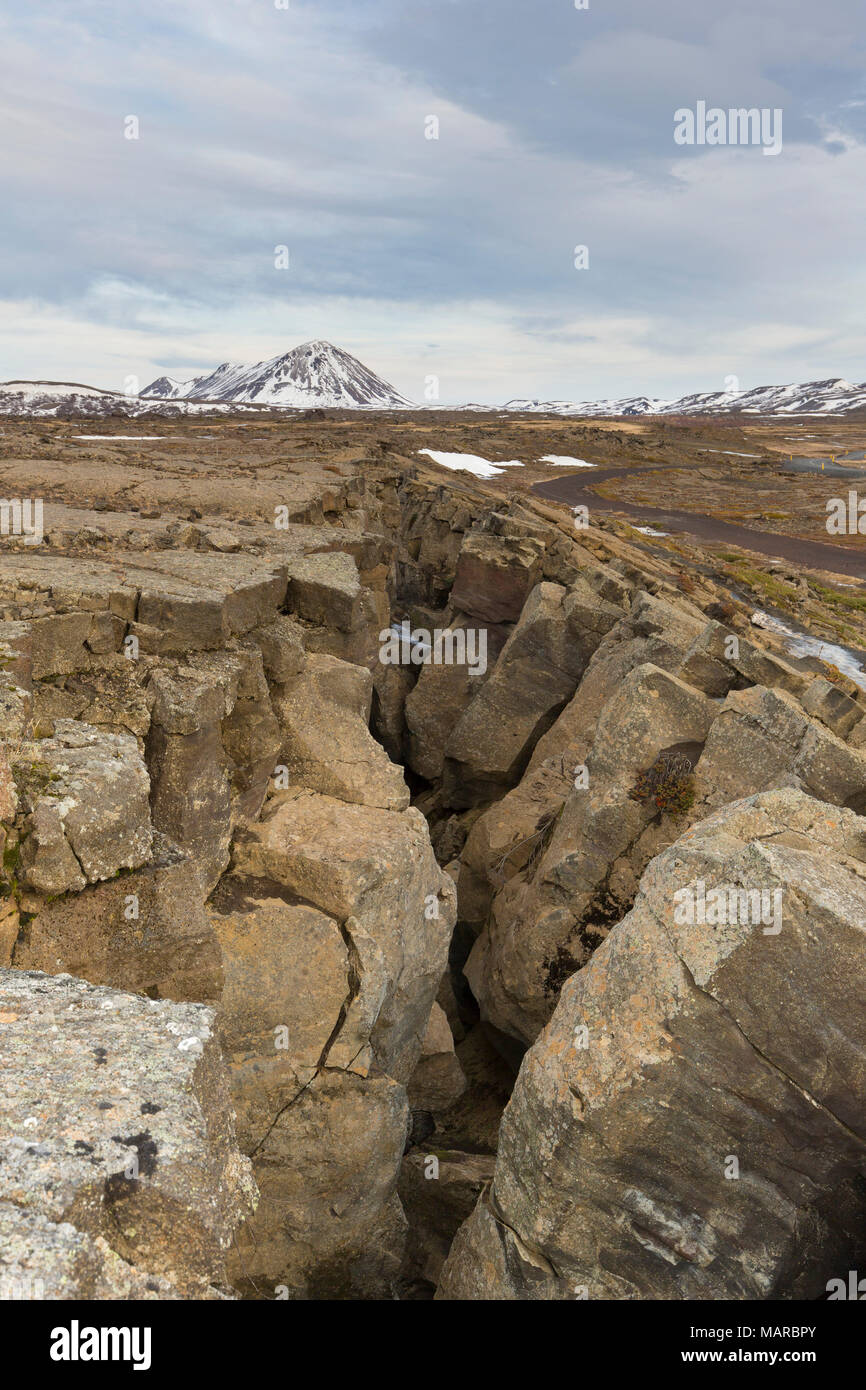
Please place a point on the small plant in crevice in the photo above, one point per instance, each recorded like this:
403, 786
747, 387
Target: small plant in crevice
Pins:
537, 841
725, 611
668, 784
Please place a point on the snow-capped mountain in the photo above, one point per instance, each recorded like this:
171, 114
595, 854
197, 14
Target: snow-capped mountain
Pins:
630, 405
314, 374
168, 389
832, 397
317, 374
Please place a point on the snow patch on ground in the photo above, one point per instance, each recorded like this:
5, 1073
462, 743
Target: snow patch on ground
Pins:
563, 461
470, 463
799, 644
729, 453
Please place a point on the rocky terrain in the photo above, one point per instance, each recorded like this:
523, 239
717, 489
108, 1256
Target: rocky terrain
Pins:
354, 811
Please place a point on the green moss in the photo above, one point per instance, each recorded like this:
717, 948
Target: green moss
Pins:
776, 590
840, 600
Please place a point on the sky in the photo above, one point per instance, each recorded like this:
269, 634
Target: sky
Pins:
305, 125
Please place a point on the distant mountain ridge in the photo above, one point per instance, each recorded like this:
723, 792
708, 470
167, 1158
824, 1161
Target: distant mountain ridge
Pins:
834, 396
314, 374
71, 400
319, 375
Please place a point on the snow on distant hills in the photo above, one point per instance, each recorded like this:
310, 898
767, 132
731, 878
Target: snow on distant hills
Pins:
319, 375
66, 399
314, 374
833, 397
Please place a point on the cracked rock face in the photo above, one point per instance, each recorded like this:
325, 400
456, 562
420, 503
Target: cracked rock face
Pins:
547, 870
216, 788
693, 1109
334, 926
116, 1139
86, 794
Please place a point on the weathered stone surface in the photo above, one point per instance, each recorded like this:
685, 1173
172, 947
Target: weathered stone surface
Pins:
509, 835
329, 1223
191, 798
146, 932
251, 737
323, 716
282, 648
438, 699
762, 738
211, 749
438, 1079
16, 666
287, 980
832, 706
85, 793
373, 871
196, 601
680, 1047
114, 1118
537, 672
334, 926
326, 590
8, 790
439, 1189
678, 623
617, 654
49, 1260
495, 575
544, 924
111, 695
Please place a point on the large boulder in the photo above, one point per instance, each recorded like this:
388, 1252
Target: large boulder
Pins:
85, 794
373, 871
584, 858
536, 674
690, 1125
763, 738
329, 1224
115, 1124
323, 714
334, 926
495, 575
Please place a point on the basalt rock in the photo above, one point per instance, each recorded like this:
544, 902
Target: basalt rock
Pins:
536, 674
323, 715
84, 793
202, 798
145, 931
115, 1128
694, 1108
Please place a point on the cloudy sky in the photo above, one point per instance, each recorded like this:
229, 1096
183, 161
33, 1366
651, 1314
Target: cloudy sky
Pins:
305, 127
